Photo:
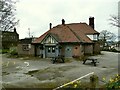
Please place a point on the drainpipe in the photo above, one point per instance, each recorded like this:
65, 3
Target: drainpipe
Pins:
57, 51
43, 51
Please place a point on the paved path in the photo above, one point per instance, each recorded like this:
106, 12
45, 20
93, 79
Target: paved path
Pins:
42, 73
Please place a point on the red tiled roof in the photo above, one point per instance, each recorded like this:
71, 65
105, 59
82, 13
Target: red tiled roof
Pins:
75, 32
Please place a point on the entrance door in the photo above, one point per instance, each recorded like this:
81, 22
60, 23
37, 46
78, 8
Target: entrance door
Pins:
50, 51
68, 51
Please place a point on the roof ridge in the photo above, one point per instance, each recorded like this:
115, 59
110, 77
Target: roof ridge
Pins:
74, 33
76, 23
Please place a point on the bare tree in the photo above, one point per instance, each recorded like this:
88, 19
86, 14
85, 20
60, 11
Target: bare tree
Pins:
106, 36
7, 15
115, 20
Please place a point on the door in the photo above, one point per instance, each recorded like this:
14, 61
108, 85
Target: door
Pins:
50, 51
68, 51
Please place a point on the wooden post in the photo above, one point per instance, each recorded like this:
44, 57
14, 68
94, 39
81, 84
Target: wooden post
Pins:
94, 81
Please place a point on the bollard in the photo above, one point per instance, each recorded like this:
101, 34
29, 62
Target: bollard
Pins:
94, 81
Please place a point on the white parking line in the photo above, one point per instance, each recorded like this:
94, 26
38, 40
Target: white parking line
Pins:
27, 63
73, 81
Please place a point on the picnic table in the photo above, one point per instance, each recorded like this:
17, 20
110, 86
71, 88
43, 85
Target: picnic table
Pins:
57, 58
93, 61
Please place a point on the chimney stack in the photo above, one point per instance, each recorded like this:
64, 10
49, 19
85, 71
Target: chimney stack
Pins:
91, 22
50, 25
63, 21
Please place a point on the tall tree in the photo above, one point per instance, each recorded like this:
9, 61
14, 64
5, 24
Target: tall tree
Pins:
107, 36
7, 15
115, 20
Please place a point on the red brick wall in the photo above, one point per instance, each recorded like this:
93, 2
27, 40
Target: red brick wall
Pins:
88, 48
76, 50
96, 48
62, 50
25, 52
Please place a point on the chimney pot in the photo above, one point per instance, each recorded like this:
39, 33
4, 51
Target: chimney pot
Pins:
15, 29
63, 21
50, 25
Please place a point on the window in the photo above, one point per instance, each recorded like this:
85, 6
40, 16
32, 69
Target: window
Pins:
25, 47
93, 37
53, 49
90, 36
49, 49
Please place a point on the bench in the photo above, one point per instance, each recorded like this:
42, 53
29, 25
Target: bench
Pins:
57, 58
93, 61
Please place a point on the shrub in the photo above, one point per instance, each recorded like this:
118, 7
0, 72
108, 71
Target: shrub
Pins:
114, 83
2, 51
13, 51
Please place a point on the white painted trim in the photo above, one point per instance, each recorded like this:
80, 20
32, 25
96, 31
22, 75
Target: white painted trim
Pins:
46, 37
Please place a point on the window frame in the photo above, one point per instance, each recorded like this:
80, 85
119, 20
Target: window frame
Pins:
25, 47
53, 49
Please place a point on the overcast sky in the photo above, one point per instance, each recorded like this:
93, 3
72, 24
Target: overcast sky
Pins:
37, 14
